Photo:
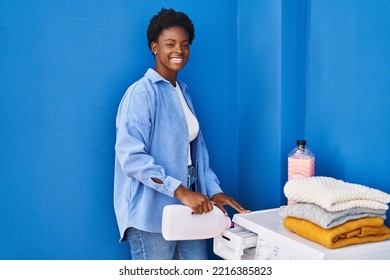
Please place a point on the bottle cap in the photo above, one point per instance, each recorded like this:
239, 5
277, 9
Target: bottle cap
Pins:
228, 223
301, 142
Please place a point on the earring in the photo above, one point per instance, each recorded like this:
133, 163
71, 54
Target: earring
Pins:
155, 53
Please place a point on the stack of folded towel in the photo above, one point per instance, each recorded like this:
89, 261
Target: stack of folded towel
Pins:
335, 213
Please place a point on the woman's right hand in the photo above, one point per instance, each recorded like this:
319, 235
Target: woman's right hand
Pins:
199, 203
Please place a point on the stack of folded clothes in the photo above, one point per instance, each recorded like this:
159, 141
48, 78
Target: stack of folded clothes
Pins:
335, 213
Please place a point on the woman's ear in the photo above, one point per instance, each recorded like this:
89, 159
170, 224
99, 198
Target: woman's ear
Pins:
153, 47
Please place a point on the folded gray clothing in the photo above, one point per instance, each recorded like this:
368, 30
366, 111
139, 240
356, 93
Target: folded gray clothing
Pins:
326, 219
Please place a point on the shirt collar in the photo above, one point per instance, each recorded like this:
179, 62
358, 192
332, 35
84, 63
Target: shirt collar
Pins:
156, 77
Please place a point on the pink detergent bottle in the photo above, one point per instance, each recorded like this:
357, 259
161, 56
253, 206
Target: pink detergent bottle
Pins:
301, 162
178, 223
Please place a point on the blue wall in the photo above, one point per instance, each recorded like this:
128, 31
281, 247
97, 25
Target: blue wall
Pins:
262, 74
348, 90
271, 80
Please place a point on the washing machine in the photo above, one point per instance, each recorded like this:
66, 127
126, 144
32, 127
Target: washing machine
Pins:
261, 235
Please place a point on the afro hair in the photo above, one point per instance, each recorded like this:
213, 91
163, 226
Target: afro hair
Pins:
168, 18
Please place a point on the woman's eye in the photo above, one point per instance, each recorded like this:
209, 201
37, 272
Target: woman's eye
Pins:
169, 45
186, 46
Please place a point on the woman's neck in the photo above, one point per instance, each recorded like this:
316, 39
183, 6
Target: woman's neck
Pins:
168, 75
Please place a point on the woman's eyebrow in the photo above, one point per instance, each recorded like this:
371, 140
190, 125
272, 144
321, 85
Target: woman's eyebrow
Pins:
169, 39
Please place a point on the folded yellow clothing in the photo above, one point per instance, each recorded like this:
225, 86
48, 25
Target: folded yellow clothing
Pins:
364, 230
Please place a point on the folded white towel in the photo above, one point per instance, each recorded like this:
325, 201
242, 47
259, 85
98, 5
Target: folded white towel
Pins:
335, 195
326, 219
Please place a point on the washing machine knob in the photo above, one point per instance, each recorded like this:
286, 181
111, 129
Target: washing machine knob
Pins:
264, 250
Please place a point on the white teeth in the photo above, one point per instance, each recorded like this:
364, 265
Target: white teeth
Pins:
177, 59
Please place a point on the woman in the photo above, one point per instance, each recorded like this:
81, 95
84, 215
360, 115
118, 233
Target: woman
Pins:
161, 157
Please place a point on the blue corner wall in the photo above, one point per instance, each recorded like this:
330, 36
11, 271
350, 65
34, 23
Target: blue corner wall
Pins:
348, 90
262, 74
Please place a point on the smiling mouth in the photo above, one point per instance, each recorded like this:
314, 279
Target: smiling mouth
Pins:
177, 59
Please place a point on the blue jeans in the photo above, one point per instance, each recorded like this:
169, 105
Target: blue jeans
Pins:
191, 178
152, 246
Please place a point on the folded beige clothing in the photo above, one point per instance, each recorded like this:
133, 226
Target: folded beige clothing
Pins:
335, 195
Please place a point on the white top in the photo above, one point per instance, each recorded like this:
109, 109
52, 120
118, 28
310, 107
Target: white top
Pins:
192, 122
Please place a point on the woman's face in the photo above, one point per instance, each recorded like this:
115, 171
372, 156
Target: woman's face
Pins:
172, 51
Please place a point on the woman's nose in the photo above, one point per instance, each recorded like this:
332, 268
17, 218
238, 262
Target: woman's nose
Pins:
179, 49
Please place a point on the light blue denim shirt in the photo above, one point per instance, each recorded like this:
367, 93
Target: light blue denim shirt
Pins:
152, 142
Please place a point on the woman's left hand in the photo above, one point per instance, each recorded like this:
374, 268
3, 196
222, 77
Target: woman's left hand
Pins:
221, 199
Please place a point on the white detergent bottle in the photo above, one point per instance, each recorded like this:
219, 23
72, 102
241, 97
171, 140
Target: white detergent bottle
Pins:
179, 223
